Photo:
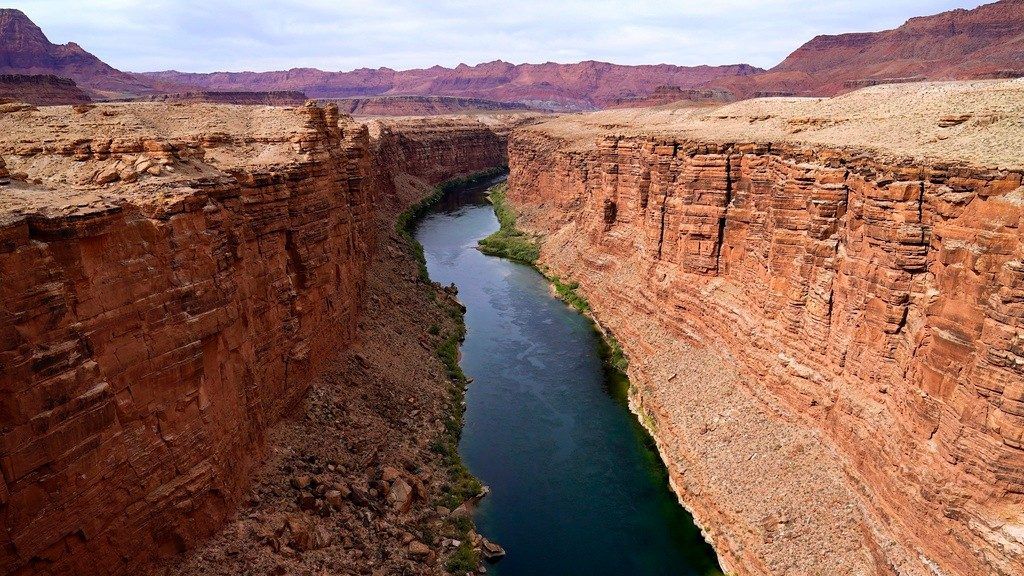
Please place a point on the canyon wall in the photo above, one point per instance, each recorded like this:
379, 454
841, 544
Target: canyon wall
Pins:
265, 98
413, 154
40, 89
824, 339
171, 279
149, 341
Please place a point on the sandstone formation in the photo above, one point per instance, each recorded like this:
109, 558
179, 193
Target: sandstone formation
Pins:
278, 98
40, 89
174, 278
985, 42
822, 305
427, 148
584, 85
422, 105
171, 282
351, 485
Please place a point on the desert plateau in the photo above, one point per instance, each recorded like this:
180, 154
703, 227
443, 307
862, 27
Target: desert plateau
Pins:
756, 313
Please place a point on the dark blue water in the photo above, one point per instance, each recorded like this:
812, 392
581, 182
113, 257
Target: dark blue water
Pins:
576, 487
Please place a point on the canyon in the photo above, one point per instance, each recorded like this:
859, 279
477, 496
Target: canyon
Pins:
175, 278
822, 321
821, 303
221, 351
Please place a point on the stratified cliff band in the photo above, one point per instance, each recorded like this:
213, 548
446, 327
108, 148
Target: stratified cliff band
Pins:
823, 304
172, 279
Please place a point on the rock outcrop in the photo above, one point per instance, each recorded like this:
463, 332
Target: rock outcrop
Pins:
173, 279
154, 328
822, 305
41, 89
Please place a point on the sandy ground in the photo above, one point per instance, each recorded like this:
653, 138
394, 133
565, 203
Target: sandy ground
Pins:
978, 122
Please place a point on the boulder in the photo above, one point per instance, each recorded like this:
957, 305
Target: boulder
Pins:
400, 496
418, 549
490, 551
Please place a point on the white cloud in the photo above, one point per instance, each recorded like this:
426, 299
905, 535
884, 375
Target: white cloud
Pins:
202, 36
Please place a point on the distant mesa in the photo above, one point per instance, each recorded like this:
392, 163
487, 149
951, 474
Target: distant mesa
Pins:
960, 44
266, 98
669, 94
982, 43
425, 105
40, 89
581, 86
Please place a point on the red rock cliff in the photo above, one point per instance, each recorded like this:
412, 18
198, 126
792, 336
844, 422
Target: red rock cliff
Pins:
149, 337
171, 279
824, 333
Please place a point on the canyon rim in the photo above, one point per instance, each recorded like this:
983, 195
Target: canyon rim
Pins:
221, 351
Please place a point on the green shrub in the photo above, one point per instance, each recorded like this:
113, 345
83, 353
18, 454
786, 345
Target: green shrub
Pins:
508, 242
569, 295
464, 559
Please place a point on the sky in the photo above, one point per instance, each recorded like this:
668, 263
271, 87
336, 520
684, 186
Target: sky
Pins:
235, 35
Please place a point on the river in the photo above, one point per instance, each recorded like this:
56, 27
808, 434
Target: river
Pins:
576, 485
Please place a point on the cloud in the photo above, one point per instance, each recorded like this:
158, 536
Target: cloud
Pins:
203, 36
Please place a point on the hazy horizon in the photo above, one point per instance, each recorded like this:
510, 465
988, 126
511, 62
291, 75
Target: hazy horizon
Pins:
239, 36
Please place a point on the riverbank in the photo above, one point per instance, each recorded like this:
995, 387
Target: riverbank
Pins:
462, 489
511, 243
367, 475
791, 295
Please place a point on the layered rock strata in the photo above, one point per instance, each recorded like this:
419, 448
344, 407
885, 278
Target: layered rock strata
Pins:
423, 105
173, 278
153, 328
265, 98
413, 154
822, 304
351, 484
40, 89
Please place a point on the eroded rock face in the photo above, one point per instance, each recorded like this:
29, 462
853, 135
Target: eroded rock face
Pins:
414, 154
172, 279
872, 306
40, 89
150, 333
